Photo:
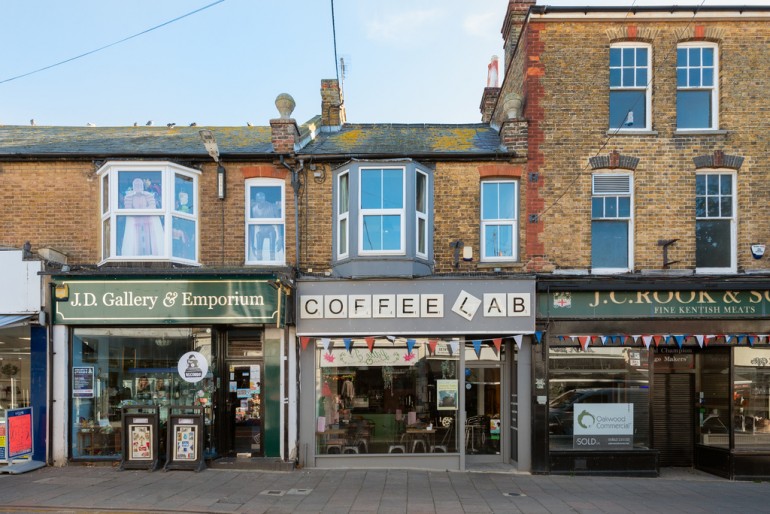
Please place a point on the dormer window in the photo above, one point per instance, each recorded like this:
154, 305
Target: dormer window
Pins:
149, 212
383, 212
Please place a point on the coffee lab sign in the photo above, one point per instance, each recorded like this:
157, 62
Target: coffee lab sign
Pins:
465, 305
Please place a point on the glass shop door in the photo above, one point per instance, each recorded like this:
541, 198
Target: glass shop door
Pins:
245, 408
483, 427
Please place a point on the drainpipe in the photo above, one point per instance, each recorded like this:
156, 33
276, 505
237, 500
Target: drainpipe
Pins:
296, 186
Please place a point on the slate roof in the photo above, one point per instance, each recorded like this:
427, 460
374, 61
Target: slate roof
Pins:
402, 139
352, 140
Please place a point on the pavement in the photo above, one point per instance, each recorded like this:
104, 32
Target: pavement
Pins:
104, 489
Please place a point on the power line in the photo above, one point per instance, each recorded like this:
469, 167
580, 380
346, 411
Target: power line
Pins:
111, 44
334, 37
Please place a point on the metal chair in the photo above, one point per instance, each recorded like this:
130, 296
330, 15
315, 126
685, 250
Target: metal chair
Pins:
444, 444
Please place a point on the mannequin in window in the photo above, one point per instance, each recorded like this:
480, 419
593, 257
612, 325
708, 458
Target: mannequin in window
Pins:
143, 235
264, 209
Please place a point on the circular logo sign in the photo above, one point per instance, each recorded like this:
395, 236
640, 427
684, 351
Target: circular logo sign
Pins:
193, 367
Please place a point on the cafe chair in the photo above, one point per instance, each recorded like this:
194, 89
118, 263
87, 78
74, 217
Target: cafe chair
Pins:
335, 445
443, 446
399, 447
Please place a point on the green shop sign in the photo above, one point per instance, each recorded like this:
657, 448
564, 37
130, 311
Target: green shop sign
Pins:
653, 304
103, 302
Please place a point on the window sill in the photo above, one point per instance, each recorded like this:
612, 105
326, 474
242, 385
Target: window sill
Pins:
501, 264
631, 132
700, 132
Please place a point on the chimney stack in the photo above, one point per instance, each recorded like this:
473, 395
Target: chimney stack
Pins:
332, 104
514, 21
491, 92
284, 131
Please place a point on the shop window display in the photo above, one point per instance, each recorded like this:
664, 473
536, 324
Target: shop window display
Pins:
615, 377
114, 368
751, 398
398, 397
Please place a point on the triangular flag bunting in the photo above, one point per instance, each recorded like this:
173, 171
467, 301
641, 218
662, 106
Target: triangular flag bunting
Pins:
498, 341
603, 339
304, 341
657, 340
679, 340
751, 338
584, 342
370, 343
410, 345
477, 347
539, 336
647, 340
668, 338
454, 346
326, 342
699, 338
432, 346
517, 338
635, 338
348, 344
708, 339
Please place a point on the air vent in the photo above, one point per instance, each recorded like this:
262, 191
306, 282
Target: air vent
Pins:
605, 184
247, 347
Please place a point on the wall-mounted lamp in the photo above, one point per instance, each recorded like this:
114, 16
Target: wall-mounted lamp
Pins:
213, 149
61, 292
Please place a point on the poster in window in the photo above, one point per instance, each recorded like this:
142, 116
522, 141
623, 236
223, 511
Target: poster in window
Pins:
19, 432
82, 382
446, 394
140, 441
184, 447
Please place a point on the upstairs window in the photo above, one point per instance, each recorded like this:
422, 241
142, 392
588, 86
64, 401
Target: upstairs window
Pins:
696, 87
715, 222
265, 221
383, 219
381, 213
499, 226
630, 87
149, 212
611, 223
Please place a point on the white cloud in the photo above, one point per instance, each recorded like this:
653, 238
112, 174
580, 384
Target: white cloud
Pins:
401, 27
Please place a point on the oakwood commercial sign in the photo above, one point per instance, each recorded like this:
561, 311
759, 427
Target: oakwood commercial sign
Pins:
99, 302
662, 304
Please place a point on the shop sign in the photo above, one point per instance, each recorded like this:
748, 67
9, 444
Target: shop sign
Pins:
103, 302
192, 367
603, 426
363, 357
416, 306
654, 304
670, 359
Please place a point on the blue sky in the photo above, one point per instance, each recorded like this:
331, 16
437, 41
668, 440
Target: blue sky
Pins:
409, 61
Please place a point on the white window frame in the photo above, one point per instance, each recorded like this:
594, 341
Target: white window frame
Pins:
421, 216
343, 234
280, 257
362, 213
512, 222
647, 88
714, 89
618, 190
733, 268
110, 210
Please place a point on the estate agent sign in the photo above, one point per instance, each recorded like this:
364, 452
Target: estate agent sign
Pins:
101, 302
603, 426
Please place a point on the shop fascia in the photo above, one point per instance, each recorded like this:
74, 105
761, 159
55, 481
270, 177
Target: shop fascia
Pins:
169, 301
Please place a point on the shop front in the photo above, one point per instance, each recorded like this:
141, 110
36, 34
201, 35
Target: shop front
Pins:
23, 353
215, 344
635, 380
419, 373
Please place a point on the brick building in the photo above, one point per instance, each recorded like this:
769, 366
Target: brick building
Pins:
647, 172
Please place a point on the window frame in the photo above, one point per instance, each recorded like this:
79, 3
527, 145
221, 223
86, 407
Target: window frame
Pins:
111, 211
714, 104
382, 212
420, 216
647, 88
502, 222
630, 219
251, 221
343, 233
733, 219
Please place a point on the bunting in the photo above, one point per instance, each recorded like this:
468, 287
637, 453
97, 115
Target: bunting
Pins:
348, 344
539, 336
410, 345
370, 343
432, 346
477, 347
647, 340
584, 342
498, 342
325, 341
304, 341
517, 338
